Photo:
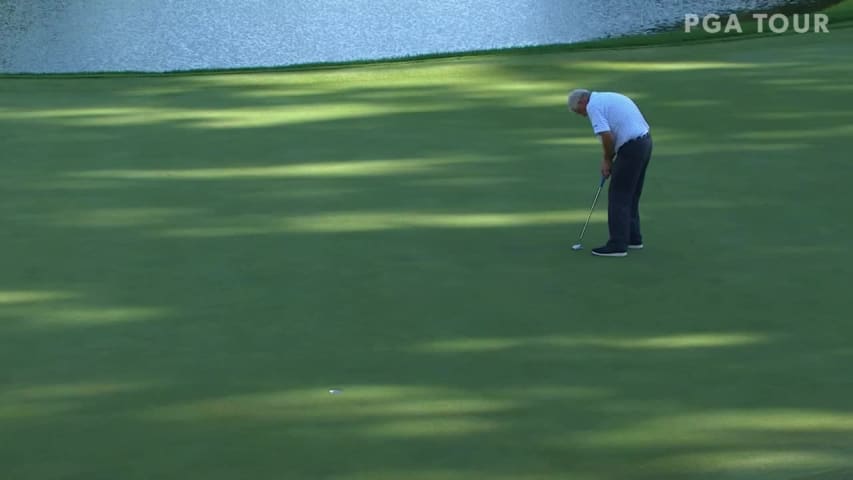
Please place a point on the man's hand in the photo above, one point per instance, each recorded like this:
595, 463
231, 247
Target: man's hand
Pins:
608, 143
606, 165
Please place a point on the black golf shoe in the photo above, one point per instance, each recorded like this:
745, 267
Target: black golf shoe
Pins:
609, 251
635, 243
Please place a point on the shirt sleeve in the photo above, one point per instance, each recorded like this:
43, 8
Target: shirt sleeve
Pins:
599, 123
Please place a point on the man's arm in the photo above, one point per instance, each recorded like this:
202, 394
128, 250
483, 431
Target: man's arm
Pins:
607, 143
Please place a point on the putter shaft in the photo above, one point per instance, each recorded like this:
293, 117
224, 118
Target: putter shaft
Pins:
594, 202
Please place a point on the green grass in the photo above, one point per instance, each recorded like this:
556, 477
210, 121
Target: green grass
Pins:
191, 262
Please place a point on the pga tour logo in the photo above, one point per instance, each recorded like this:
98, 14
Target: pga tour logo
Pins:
777, 23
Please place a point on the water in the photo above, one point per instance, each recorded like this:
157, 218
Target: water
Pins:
61, 36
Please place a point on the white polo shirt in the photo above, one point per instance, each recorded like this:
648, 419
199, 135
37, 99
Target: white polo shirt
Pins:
618, 114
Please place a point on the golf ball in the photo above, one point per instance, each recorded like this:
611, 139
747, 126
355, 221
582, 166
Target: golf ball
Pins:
335, 391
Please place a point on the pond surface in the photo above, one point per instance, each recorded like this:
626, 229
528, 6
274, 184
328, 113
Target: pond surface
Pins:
60, 36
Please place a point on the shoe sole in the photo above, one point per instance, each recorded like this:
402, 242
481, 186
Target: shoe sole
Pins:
636, 247
618, 254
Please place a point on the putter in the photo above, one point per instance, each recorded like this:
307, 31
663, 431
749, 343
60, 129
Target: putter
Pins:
579, 245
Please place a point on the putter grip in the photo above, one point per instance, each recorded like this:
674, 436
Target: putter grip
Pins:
603, 179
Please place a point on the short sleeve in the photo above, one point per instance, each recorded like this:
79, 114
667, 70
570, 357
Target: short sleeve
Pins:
596, 118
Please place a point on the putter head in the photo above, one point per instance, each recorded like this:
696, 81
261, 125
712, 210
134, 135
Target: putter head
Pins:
577, 247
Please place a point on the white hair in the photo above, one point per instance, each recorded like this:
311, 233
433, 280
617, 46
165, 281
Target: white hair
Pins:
576, 96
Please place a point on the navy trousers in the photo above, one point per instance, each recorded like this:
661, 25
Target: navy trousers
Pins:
626, 185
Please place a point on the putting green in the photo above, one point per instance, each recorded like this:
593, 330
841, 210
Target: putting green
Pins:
191, 262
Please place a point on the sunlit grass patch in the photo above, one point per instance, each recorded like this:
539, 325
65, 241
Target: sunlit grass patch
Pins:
341, 222
295, 170
50, 400
33, 296
685, 341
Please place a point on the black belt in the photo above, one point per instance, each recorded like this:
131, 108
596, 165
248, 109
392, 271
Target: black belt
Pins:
645, 135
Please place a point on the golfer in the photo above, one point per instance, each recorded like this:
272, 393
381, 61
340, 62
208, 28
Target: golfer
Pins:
625, 135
